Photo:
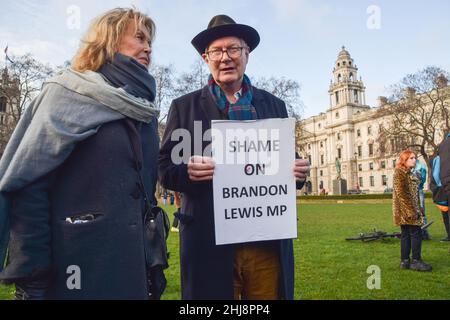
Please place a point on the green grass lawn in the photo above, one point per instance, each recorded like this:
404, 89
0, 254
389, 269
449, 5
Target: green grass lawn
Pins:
328, 267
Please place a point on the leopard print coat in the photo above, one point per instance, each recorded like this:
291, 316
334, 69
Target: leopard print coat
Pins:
405, 204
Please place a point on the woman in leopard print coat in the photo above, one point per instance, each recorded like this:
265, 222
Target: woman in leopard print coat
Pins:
407, 213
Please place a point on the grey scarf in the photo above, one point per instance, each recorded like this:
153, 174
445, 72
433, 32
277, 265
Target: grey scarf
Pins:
71, 107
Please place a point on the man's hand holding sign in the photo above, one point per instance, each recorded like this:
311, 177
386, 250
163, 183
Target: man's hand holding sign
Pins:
202, 169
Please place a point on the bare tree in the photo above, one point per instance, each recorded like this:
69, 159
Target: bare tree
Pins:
195, 79
21, 81
164, 77
287, 90
65, 65
417, 115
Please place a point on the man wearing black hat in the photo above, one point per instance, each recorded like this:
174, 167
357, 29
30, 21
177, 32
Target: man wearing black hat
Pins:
258, 270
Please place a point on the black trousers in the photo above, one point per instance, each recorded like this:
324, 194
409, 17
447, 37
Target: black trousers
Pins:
445, 217
411, 241
175, 222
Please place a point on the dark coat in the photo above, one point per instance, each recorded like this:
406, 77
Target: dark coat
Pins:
100, 177
444, 153
207, 269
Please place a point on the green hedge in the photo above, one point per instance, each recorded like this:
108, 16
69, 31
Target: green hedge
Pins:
354, 196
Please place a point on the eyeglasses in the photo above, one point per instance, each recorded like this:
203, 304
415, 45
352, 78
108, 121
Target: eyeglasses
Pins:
232, 52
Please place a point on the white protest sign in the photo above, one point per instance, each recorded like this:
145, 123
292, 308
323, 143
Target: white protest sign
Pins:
254, 184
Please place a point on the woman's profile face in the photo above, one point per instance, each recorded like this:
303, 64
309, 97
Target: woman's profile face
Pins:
411, 162
136, 43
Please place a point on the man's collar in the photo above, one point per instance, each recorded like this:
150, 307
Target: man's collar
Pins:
238, 94
256, 93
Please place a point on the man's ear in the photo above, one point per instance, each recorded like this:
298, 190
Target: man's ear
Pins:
247, 55
205, 57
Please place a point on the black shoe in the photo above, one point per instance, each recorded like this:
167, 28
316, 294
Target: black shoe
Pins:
445, 239
419, 265
404, 264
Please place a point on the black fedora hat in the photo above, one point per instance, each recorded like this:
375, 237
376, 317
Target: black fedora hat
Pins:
223, 26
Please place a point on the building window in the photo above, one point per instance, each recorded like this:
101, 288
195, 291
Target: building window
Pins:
339, 153
358, 133
383, 164
384, 180
361, 182
2, 119
392, 145
370, 149
394, 163
359, 151
321, 144
339, 136
337, 115
359, 167
369, 130
355, 95
3, 104
321, 159
372, 181
371, 166
321, 173
320, 125
309, 159
309, 146
337, 97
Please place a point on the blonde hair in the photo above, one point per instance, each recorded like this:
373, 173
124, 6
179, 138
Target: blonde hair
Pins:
103, 36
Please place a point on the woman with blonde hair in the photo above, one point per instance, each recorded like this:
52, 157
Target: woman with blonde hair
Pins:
407, 213
80, 173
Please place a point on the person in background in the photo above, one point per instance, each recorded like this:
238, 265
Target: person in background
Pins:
444, 154
176, 214
165, 196
420, 170
407, 213
445, 218
440, 197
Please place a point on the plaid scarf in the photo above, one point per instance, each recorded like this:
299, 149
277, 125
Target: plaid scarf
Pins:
242, 109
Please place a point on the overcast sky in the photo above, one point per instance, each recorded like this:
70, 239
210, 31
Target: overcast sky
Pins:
300, 39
